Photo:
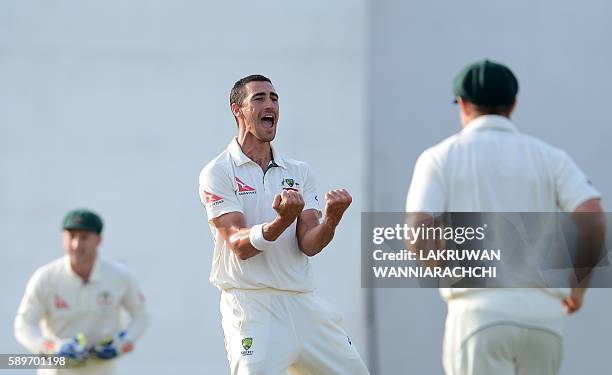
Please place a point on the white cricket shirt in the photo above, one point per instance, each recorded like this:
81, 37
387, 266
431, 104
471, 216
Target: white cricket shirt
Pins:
490, 166
58, 301
234, 183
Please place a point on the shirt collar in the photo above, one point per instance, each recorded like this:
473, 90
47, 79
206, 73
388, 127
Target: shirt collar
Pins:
95, 271
240, 158
490, 122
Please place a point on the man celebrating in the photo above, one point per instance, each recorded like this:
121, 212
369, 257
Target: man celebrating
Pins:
491, 167
264, 215
78, 299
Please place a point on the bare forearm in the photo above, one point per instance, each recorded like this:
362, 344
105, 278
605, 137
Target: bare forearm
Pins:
590, 244
591, 227
239, 241
317, 238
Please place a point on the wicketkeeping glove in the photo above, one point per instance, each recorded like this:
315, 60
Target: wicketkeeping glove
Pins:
109, 348
74, 349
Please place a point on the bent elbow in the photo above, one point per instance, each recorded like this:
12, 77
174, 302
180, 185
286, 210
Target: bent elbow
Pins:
309, 252
242, 255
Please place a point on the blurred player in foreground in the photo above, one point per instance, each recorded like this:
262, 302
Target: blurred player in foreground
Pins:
264, 214
492, 167
77, 301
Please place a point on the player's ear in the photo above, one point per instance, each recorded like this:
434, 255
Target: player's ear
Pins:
465, 107
236, 109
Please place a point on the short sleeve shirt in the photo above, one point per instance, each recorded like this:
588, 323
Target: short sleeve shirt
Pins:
492, 167
232, 182
66, 306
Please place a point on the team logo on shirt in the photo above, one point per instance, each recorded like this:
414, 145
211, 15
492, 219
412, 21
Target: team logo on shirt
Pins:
212, 199
247, 342
244, 189
60, 303
105, 299
290, 184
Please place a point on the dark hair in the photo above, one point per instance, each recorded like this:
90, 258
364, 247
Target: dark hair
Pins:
502, 110
238, 93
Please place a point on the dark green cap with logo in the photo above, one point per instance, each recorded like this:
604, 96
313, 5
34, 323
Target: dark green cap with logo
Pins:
83, 219
486, 83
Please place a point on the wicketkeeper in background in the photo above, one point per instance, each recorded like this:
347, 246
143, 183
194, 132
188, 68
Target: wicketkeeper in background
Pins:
72, 306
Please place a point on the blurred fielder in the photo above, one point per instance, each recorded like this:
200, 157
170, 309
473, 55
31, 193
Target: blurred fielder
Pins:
77, 301
264, 215
489, 166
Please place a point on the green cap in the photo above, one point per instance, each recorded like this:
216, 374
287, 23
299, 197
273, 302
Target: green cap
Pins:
83, 219
486, 83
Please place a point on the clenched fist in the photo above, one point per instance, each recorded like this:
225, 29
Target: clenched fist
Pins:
336, 202
288, 205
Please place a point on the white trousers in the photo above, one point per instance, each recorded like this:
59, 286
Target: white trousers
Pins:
504, 349
270, 332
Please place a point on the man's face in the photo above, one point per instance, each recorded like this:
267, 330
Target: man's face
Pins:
259, 110
81, 246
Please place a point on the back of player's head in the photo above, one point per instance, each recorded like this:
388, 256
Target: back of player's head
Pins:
486, 83
490, 87
238, 93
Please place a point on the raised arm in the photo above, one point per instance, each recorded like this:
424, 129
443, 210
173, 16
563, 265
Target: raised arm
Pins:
246, 242
313, 235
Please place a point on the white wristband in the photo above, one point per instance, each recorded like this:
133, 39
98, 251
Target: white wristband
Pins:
257, 239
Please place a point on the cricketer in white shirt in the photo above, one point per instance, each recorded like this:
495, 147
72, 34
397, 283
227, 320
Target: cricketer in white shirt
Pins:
263, 211
61, 301
490, 166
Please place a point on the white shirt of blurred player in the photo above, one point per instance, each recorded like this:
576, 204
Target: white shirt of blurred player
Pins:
234, 183
58, 300
490, 166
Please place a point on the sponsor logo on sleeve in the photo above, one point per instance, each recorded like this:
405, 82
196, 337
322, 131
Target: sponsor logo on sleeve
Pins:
212, 199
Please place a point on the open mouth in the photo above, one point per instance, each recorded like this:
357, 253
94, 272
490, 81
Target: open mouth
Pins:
267, 121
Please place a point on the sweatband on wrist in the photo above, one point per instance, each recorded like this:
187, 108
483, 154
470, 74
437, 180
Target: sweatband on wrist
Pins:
257, 239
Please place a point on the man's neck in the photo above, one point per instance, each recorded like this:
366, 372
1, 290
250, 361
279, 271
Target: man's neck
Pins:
469, 119
83, 270
259, 152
